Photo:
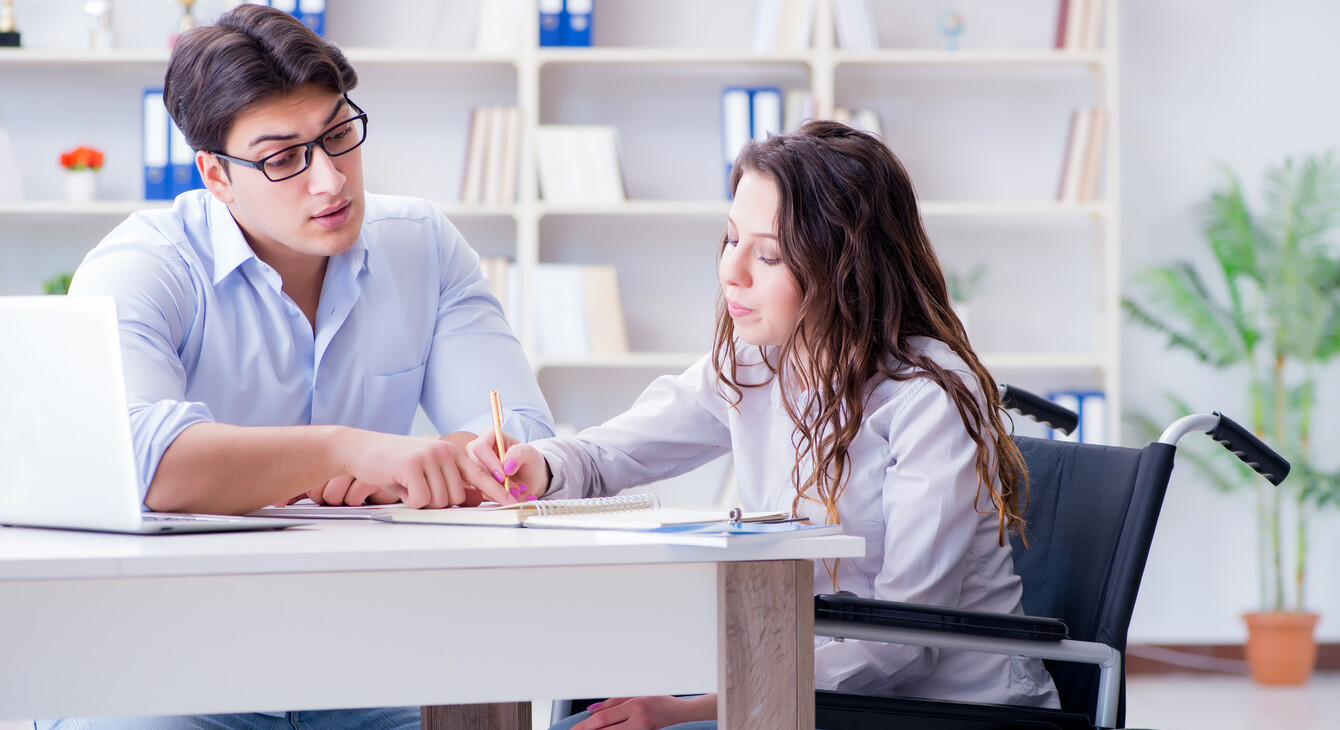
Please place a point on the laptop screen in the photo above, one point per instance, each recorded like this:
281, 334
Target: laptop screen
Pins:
66, 458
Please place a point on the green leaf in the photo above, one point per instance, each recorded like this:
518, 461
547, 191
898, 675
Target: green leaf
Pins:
58, 284
1193, 320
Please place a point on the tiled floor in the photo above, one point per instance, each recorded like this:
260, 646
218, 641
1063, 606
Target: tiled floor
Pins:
1196, 702
1223, 702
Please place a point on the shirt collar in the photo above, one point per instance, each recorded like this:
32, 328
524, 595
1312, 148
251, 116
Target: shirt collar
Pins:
231, 249
230, 246
356, 258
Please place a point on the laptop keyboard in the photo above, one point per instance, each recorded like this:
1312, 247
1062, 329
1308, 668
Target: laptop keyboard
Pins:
159, 517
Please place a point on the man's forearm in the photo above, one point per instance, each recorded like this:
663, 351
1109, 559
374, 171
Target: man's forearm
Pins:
223, 469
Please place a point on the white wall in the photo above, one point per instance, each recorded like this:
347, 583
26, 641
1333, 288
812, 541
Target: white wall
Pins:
1243, 83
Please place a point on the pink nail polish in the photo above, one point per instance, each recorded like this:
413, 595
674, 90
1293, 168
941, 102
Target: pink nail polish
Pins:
592, 707
523, 488
498, 477
515, 493
531, 498
509, 466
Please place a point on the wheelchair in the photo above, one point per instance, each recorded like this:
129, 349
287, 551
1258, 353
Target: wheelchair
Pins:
1101, 503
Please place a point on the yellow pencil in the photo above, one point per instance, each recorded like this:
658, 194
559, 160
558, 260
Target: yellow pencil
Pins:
496, 403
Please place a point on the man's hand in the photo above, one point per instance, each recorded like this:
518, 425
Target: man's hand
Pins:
346, 490
420, 472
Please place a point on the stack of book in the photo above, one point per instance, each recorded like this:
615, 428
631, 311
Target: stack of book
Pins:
855, 25
1091, 406
1083, 156
749, 113
577, 310
312, 13
783, 26
579, 164
565, 22
498, 271
799, 107
169, 163
491, 157
866, 120
1079, 25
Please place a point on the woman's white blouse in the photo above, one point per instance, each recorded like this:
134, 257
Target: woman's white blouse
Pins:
912, 495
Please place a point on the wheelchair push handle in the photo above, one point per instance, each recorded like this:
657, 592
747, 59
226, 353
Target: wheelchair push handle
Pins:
1253, 451
1232, 436
1038, 408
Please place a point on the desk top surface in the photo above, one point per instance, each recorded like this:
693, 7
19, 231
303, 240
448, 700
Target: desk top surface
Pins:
358, 545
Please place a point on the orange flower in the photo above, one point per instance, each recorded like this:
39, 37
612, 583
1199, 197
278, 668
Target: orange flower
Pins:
81, 158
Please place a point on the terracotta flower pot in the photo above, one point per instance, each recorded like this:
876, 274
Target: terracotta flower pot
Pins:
1281, 648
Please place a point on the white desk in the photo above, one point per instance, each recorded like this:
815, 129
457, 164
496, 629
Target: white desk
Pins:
362, 614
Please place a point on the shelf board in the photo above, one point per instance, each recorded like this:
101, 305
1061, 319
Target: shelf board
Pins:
932, 57
387, 55
699, 56
653, 360
78, 56
476, 210
706, 208
980, 209
126, 207
159, 56
1042, 361
464, 57
65, 208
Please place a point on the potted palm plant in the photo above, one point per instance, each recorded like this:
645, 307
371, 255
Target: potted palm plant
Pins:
1272, 320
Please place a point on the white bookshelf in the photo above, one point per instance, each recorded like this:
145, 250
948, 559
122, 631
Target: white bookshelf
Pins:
656, 74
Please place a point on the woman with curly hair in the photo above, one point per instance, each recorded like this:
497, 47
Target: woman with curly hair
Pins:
845, 387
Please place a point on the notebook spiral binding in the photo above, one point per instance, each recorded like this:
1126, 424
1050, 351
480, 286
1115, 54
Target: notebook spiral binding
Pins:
595, 505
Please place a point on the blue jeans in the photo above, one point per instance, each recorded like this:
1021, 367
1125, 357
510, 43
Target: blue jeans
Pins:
382, 718
698, 725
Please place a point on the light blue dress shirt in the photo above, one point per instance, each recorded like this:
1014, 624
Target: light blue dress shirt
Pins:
405, 318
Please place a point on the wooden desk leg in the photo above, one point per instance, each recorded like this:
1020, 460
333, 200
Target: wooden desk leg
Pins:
765, 636
501, 716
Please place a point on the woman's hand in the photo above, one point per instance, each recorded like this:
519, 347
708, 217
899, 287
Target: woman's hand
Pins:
648, 713
521, 463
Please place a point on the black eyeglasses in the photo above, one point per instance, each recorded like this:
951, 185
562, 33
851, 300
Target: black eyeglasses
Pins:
340, 139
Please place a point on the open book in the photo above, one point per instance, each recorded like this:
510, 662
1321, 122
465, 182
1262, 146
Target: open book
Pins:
623, 512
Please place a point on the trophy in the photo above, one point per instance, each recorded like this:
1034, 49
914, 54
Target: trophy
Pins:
9, 32
101, 11
187, 20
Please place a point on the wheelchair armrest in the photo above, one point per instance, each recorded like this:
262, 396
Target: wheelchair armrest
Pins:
847, 616
844, 607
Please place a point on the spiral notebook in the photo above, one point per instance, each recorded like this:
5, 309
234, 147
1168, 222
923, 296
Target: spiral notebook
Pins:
623, 512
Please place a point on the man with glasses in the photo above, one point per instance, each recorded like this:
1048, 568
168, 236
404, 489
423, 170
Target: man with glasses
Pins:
281, 327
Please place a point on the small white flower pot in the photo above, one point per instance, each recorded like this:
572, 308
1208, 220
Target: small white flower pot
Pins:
81, 186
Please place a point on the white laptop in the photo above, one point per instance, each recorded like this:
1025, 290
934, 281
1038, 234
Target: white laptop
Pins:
65, 451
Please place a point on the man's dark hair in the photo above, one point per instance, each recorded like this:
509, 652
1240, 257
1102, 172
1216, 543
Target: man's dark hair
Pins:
252, 54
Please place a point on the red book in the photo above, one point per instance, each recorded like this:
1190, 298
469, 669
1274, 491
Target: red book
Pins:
1062, 17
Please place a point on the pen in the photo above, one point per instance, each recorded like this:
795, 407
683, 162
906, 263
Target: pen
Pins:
496, 404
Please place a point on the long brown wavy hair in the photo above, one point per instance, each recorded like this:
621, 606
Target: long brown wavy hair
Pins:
851, 236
